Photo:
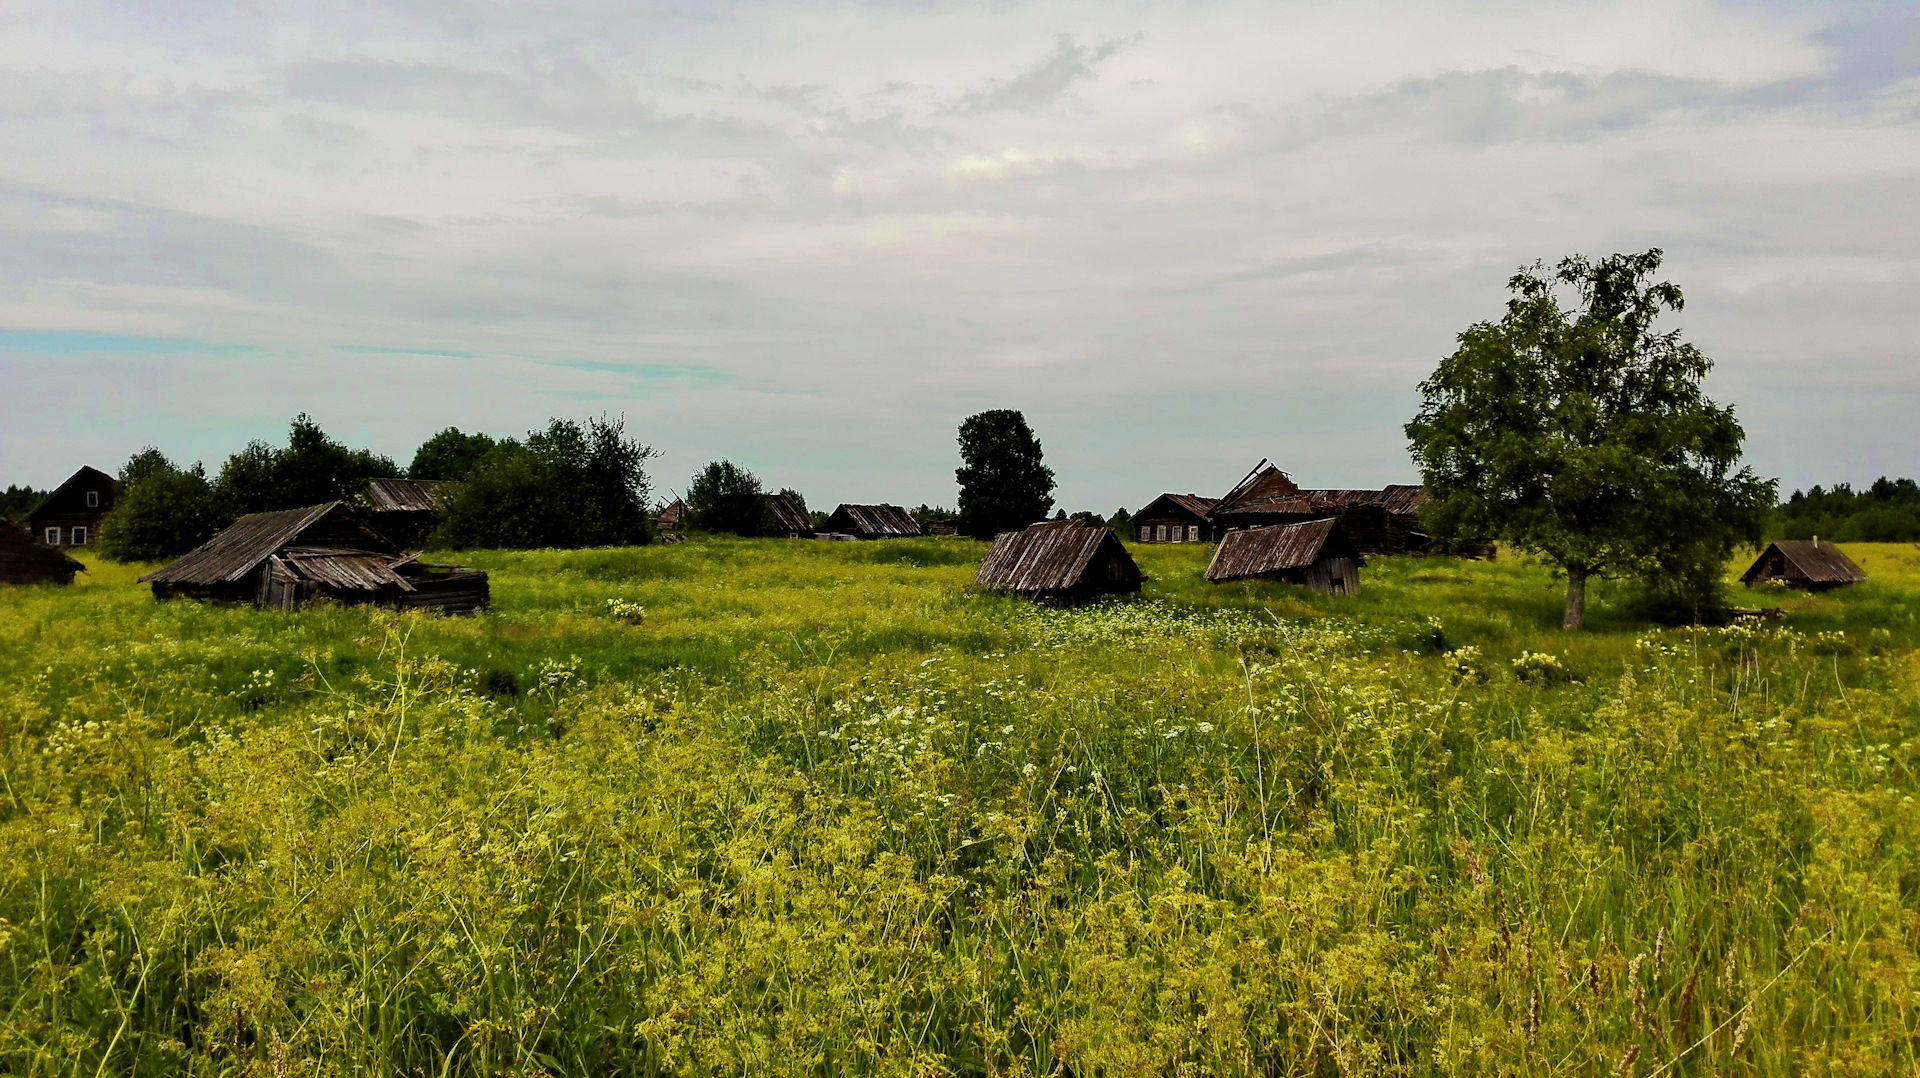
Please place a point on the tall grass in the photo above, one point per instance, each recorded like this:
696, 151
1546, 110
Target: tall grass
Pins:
817, 809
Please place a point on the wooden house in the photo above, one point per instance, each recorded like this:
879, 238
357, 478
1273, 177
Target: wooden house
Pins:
1384, 521
872, 522
405, 510
1175, 518
1060, 561
24, 559
70, 516
1815, 566
789, 521
278, 560
1316, 555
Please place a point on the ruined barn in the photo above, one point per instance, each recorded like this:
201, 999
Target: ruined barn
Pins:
1175, 518
671, 519
872, 522
1316, 555
71, 515
279, 560
789, 521
405, 510
24, 559
1814, 566
1063, 561
1384, 521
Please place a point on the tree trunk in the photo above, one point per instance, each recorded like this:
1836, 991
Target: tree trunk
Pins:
1576, 600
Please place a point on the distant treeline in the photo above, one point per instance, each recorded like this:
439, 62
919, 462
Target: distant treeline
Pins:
1886, 512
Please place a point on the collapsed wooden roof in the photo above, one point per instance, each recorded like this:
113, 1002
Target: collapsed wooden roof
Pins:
887, 521
254, 538
1279, 548
1265, 483
26, 560
788, 515
408, 495
1268, 491
1056, 556
1816, 562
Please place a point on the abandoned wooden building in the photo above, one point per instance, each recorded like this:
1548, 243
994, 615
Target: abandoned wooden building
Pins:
671, 519
871, 522
70, 516
789, 521
405, 510
24, 559
278, 560
1384, 521
1316, 555
1064, 561
1814, 565
1175, 518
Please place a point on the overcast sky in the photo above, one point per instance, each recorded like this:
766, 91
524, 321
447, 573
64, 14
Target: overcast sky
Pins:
813, 237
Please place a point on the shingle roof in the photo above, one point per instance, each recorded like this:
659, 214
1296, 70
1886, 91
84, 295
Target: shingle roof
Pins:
884, 520
408, 495
1196, 504
1274, 549
252, 539
1053, 556
1819, 563
788, 514
23, 556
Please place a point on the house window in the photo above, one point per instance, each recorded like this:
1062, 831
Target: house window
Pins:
1159, 533
1193, 533
93, 502
53, 536
79, 537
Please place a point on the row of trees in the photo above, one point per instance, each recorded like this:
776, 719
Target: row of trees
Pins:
1886, 512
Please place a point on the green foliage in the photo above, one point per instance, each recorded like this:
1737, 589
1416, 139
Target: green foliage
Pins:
450, 454
726, 498
570, 485
1585, 437
1120, 520
1004, 485
310, 469
1886, 512
799, 501
823, 810
162, 512
17, 501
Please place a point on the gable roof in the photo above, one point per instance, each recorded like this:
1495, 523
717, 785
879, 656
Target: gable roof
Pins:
254, 538
1818, 563
1398, 498
788, 515
23, 557
1051, 556
408, 495
1264, 482
1194, 505
1278, 548
888, 520
86, 472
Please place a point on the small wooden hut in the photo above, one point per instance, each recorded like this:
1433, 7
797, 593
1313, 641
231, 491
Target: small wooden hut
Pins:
872, 522
70, 516
405, 510
671, 519
1060, 561
1815, 566
1175, 518
24, 559
1316, 555
789, 522
277, 560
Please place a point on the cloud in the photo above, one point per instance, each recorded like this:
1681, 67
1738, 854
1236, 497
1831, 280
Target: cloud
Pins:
1045, 83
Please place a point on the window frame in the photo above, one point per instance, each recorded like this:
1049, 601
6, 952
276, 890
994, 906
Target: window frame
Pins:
77, 535
93, 499
52, 536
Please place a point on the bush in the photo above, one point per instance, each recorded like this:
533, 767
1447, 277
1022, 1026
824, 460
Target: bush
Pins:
162, 511
568, 486
727, 498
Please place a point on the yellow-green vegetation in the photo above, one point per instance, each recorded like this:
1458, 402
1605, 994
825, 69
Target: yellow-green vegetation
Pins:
760, 807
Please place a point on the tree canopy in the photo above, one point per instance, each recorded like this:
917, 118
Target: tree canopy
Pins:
569, 485
1580, 434
311, 468
1004, 483
1888, 511
162, 511
724, 497
450, 454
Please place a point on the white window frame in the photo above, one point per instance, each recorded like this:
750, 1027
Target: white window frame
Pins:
1146, 533
79, 535
1159, 533
53, 536
1193, 533
93, 502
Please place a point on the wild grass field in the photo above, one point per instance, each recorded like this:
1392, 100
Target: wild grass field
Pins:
764, 807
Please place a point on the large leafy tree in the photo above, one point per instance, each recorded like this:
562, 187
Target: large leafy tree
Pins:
162, 512
450, 454
725, 497
1004, 481
311, 468
1580, 434
570, 485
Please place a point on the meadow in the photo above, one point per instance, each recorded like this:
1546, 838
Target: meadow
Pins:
763, 807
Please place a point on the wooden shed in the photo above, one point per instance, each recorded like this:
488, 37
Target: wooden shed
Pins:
1060, 561
671, 518
872, 522
405, 510
24, 559
1384, 521
1175, 518
1316, 555
1815, 566
70, 516
278, 560
789, 522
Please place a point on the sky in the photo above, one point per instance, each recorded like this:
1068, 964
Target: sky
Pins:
813, 237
